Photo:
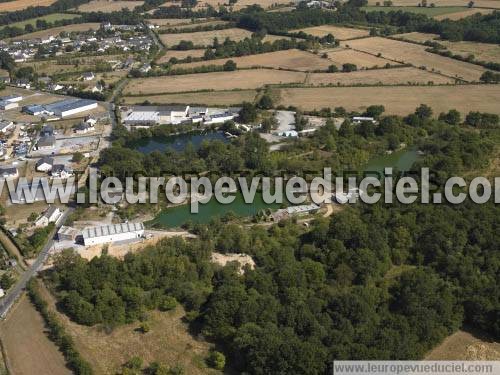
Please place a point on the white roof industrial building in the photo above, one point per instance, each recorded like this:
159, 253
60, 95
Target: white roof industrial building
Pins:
70, 107
151, 115
62, 108
112, 233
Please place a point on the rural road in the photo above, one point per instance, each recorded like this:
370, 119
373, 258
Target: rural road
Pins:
7, 302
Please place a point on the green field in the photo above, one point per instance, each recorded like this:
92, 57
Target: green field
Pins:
431, 12
48, 18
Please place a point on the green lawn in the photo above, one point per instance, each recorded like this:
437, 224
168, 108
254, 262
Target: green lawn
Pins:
48, 18
431, 12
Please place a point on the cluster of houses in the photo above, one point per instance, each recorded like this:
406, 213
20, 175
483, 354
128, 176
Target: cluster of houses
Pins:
144, 116
23, 50
46, 164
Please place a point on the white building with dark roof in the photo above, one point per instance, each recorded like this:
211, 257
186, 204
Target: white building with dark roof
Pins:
112, 233
69, 107
51, 215
152, 115
45, 164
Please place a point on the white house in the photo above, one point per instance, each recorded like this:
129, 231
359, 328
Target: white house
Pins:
88, 76
112, 233
44, 164
51, 215
83, 128
289, 134
9, 172
97, 88
90, 120
5, 126
61, 171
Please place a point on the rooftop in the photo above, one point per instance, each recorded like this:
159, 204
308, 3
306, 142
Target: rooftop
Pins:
45, 160
49, 140
111, 229
68, 104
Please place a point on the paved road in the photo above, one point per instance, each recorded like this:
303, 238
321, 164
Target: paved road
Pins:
7, 302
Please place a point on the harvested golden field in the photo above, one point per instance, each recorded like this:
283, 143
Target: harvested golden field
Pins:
181, 55
108, 6
417, 37
240, 4
340, 33
169, 21
205, 38
481, 51
392, 76
466, 13
23, 4
239, 79
341, 56
211, 98
195, 24
416, 55
78, 27
397, 100
445, 3
28, 349
167, 342
271, 38
290, 59
469, 346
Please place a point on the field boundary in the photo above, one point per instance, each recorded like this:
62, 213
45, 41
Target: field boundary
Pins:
411, 64
5, 359
58, 334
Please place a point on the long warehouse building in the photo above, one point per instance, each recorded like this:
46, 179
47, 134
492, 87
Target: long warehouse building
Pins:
112, 233
62, 108
70, 107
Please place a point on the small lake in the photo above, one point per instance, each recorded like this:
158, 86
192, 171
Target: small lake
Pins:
401, 160
179, 215
177, 142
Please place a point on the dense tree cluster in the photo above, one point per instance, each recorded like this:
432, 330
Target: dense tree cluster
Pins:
481, 28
